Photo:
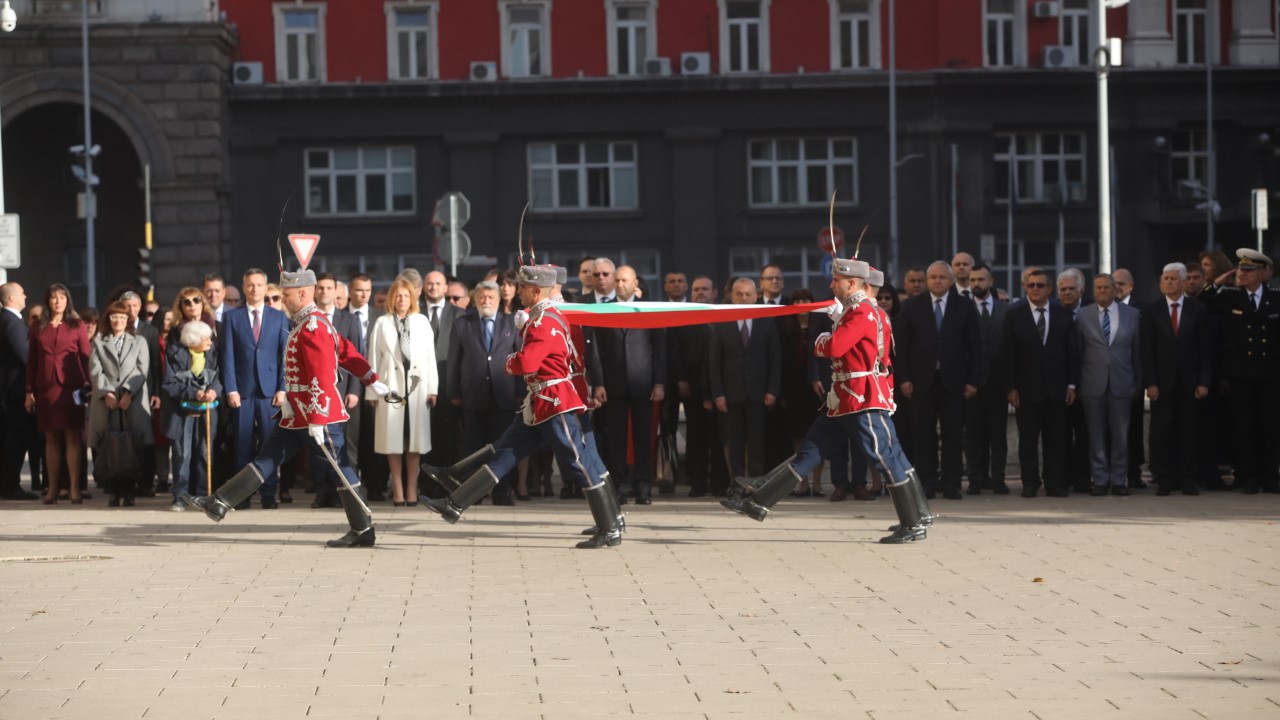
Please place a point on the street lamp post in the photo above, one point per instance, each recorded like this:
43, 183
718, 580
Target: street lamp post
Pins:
90, 207
8, 21
893, 145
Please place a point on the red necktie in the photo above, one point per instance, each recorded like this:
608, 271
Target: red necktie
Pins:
1174, 317
257, 327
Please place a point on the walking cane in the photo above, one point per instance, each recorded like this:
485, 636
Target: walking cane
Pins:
208, 444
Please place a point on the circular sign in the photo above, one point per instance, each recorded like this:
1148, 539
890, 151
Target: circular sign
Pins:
444, 248
824, 239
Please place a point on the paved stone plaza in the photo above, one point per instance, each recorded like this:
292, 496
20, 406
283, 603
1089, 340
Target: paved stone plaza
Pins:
1137, 607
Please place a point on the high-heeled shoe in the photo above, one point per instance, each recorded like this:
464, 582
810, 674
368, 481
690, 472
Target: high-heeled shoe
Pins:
77, 501
395, 503
412, 503
49, 500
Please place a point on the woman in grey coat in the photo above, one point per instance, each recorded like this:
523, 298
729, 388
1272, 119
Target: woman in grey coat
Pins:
118, 365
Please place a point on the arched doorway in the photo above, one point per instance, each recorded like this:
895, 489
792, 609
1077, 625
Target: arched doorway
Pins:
41, 188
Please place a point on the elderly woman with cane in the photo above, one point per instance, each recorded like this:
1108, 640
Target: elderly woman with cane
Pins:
192, 385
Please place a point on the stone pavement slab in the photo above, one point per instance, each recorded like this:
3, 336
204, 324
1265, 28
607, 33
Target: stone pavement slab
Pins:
1047, 608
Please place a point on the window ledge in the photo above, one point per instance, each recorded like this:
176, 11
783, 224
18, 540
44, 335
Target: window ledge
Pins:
587, 214
799, 210
342, 220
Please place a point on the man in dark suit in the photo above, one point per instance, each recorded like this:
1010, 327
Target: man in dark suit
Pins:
689, 346
371, 466
1108, 343
252, 347
940, 355
987, 412
19, 425
746, 379
445, 418
478, 383
1138, 411
1040, 370
1251, 367
633, 367
1177, 371
778, 442
1076, 443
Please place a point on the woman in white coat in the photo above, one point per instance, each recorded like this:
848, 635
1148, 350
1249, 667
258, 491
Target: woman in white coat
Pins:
402, 350
118, 365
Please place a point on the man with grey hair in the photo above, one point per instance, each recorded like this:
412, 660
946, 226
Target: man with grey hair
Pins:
1177, 370
478, 385
1076, 445
605, 282
19, 425
939, 363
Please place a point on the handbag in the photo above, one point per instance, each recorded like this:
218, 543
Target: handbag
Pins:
119, 456
667, 463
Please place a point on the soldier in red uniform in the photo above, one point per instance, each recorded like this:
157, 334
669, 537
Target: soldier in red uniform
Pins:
314, 410
547, 365
858, 407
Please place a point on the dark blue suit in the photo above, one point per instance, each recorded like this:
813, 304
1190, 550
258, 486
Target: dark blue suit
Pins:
256, 371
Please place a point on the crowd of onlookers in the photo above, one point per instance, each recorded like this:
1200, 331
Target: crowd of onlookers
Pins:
175, 398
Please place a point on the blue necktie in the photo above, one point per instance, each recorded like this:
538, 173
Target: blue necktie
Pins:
1106, 326
937, 313
488, 334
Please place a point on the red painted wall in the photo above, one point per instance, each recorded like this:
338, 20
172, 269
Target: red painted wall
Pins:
932, 34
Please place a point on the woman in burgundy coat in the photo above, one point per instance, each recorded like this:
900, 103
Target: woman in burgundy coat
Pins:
57, 371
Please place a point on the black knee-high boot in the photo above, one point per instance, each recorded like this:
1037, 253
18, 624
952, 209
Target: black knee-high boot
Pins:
361, 533
450, 478
766, 491
608, 515
910, 519
469, 493
239, 488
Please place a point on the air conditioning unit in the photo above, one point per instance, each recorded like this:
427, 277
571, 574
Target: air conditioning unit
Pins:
1060, 56
484, 71
1045, 10
657, 66
246, 73
695, 63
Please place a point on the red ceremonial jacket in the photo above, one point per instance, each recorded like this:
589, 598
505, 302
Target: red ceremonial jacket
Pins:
312, 356
545, 362
860, 346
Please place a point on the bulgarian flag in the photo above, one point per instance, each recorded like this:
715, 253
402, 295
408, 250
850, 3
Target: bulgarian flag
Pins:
651, 315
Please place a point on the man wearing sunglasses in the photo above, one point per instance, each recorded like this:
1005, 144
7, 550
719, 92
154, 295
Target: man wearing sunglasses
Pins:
1040, 361
457, 294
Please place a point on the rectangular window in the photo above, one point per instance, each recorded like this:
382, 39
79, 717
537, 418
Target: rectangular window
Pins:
1189, 23
798, 172
1000, 20
630, 36
299, 43
411, 41
855, 35
583, 176
526, 41
1074, 30
745, 46
360, 181
1189, 164
1048, 167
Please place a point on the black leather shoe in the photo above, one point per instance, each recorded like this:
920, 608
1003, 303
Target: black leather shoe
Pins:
444, 507
286, 498
644, 501
907, 535
114, 501
1137, 485
1000, 489
974, 489
1162, 492
1029, 492
18, 495
354, 539
697, 493
128, 501
952, 495
269, 504
1098, 490
1120, 490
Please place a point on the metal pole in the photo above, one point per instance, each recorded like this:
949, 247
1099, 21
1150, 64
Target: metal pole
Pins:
146, 192
1102, 63
453, 234
1, 164
893, 145
1210, 46
955, 199
90, 208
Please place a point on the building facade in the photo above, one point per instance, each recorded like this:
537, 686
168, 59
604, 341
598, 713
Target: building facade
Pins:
159, 73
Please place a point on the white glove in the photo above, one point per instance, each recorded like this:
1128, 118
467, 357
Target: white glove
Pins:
835, 310
379, 387
521, 317
317, 433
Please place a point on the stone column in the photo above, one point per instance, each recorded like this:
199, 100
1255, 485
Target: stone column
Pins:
1150, 42
1252, 40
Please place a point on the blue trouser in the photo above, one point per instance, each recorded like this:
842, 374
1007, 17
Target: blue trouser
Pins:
562, 434
190, 461
283, 444
871, 429
253, 411
591, 454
